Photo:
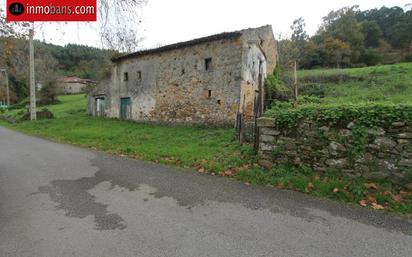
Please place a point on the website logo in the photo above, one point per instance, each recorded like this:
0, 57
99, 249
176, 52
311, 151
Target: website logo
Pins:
16, 9
51, 10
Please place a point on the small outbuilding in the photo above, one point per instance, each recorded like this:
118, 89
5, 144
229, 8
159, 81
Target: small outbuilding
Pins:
73, 85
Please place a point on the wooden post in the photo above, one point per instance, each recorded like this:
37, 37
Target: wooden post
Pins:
295, 83
6, 76
242, 123
7, 88
33, 114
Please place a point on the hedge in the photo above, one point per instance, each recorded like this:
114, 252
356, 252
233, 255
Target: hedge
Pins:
366, 115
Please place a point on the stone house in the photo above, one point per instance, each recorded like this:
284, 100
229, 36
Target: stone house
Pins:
208, 80
72, 85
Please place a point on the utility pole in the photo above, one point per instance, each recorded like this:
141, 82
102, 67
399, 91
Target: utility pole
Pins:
33, 114
7, 86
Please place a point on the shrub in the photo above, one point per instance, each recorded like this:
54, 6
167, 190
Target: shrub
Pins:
309, 99
367, 115
407, 57
371, 57
313, 90
48, 93
276, 88
358, 65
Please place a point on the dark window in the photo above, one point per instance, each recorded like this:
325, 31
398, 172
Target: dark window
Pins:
139, 75
219, 102
209, 93
125, 76
208, 63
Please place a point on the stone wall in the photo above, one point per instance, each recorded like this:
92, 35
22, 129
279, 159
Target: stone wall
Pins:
386, 152
70, 88
175, 86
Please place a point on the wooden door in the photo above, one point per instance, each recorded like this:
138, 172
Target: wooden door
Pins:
125, 108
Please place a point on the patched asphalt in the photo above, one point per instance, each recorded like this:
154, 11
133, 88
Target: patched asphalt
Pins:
60, 200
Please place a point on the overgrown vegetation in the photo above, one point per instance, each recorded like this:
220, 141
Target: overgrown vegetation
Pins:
366, 97
367, 114
213, 151
384, 83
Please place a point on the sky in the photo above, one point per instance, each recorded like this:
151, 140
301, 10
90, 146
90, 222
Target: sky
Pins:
170, 21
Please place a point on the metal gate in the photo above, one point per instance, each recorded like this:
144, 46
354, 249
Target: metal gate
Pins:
247, 130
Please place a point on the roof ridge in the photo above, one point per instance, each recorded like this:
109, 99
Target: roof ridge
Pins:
210, 38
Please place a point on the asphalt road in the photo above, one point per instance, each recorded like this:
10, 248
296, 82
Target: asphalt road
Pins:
59, 200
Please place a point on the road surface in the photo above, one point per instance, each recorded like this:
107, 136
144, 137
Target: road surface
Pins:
59, 200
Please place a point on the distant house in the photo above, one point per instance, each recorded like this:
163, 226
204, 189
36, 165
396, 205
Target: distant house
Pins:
73, 85
206, 80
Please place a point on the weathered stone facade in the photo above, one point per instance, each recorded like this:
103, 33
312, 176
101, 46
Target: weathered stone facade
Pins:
207, 80
387, 152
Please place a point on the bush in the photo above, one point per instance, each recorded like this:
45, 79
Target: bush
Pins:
48, 93
276, 89
21, 105
309, 99
367, 115
358, 65
313, 90
371, 57
407, 57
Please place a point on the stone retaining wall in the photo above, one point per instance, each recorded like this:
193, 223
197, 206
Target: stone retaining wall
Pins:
384, 153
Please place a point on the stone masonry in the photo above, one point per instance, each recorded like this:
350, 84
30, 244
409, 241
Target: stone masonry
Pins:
207, 80
387, 153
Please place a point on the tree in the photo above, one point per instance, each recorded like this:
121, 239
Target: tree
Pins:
119, 24
338, 52
344, 25
5, 28
299, 38
372, 33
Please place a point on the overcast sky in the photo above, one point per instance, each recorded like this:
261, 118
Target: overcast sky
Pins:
169, 21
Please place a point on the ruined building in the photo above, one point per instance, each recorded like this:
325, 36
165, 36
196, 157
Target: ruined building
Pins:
207, 80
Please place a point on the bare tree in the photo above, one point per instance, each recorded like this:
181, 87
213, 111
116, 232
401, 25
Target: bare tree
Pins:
119, 23
12, 29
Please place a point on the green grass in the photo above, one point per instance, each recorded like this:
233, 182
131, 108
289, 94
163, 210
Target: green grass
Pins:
213, 149
385, 83
206, 150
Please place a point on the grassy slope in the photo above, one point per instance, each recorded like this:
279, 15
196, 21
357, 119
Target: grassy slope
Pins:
386, 83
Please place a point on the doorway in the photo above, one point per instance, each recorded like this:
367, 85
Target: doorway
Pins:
125, 108
100, 106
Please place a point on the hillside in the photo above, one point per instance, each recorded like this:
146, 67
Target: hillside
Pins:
385, 83
51, 61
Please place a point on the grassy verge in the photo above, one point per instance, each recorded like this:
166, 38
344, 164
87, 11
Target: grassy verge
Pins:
206, 150
210, 149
